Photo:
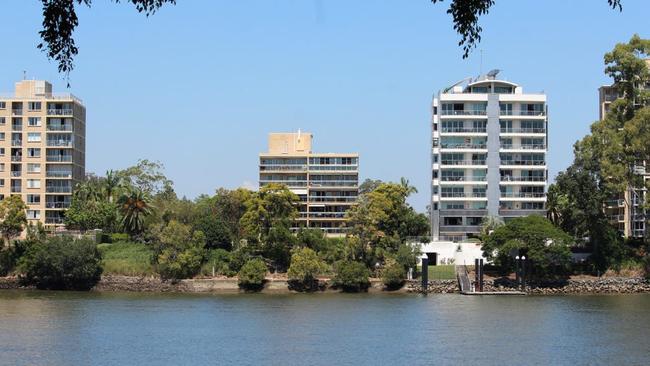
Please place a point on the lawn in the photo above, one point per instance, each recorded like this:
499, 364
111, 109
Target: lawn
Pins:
129, 259
443, 272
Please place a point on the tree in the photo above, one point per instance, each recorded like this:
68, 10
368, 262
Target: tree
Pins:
147, 176
230, 207
393, 275
489, 224
113, 183
61, 263
134, 207
545, 246
304, 269
274, 206
252, 274
369, 185
466, 14
351, 276
180, 251
12, 218
88, 215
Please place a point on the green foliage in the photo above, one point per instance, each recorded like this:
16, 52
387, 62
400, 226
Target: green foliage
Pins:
147, 177
238, 258
544, 245
252, 274
407, 256
351, 276
61, 263
12, 217
134, 207
219, 260
304, 269
272, 207
127, 259
393, 275
216, 232
180, 252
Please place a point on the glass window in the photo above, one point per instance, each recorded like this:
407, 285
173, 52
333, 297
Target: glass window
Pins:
2, 151
33, 183
33, 199
33, 214
3, 120
3, 105
34, 106
34, 121
34, 152
34, 137
33, 168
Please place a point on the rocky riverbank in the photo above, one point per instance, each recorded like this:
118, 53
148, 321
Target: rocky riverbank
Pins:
571, 286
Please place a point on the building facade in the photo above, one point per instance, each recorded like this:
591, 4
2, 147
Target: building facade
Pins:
326, 183
42, 149
489, 145
626, 211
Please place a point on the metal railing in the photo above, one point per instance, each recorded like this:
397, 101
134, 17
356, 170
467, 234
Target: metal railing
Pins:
16, 127
462, 195
288, 183
16, 112
51, 174
59, 158
463, 130
463, 146
59, 143
523, 130
57, 204
270, 167
16, 142
59, 112
332, 199
522, 194
58, 189
510, 178
332, 183
462, 179
523, 162
523, 146
463, 162
463, 113
16, 158
66, 128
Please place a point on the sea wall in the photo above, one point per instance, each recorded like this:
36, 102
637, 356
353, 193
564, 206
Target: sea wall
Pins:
573, 286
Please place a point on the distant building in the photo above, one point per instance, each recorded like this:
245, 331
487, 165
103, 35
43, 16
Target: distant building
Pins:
489, 145
42, 149
327, 183
625, 211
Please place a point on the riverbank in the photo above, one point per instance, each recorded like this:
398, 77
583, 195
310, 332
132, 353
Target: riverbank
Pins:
609, 285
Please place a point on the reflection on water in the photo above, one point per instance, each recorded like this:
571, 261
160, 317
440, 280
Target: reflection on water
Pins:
58, 328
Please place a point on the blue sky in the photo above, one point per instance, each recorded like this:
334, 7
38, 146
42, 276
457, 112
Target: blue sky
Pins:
199, 85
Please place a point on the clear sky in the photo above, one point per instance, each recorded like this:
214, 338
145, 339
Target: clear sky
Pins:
199, 85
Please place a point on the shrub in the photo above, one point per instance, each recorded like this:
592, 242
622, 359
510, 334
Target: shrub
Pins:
238, 258
7, 261
407, 255
305, 266
219, 259
61, 263
393, 275
119, 237
179, 251
251, 276
351, 276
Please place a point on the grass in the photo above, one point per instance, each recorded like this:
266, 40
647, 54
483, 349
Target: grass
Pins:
128, 259
442, 272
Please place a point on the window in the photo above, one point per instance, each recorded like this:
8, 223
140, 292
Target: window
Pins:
34, 106
3, 105
2, 182
3, 121
34, 121
33, 168
34, 137
453, 221
33, 214
33, 199
474, 221
34, 152
33, 183
2, 151
2, 135
506, 108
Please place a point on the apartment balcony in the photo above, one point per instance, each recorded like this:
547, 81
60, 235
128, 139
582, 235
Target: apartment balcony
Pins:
58, 189
61, 143
505, 179
342, 168
54, 220
463, 179
523, 195
616, 218
59, 128
522, 113
460, 228
462, 195
282, 168
16, 112
333, 199
16, 142
463, 212
463, 146
334, 183
531, 163
60, 174
288, 183
517, 212
57, 205
16, 189
16, 173
59, 112
463, 113
59, 158
327, 215
526, 147
463, 162
523, 130
16, 127
463, 130
16, 158
615, 203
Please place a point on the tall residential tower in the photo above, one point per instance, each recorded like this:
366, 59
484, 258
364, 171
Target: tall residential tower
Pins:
327, 184
488, 155
42, 149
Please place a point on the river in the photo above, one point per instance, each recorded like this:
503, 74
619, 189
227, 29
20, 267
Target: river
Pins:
68, 328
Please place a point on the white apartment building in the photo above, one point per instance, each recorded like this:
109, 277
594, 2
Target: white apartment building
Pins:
489, 145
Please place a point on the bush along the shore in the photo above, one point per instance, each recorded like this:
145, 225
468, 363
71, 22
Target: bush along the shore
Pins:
251, 275
180, 251
351, 276
61, 263
304, 269
393, 275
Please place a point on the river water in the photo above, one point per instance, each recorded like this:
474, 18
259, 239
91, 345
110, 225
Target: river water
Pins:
65, 328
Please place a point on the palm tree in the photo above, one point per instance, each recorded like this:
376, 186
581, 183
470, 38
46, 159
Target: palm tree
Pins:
112, 183
134, 206
407, 186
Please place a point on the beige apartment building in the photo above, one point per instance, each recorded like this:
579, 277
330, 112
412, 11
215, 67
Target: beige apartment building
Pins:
42, 149
625, 212
327, 183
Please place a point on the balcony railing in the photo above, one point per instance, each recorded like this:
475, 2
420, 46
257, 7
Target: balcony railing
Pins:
529, 113
58, 189
282, 167
59, 158
462, 179
334, 183
463, 162
16, 127
66, 128
523, 162
16, 158
59, 143
17, 112
334, 167
288, 183
332, 199
463, 113
16, 173
510, 178
523, 146
462, 194
463, 146
464, 130
57, 204
59, 112
16, 189
54, 220
522, 194
523, 130
326, 215
59, 174
16, 142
